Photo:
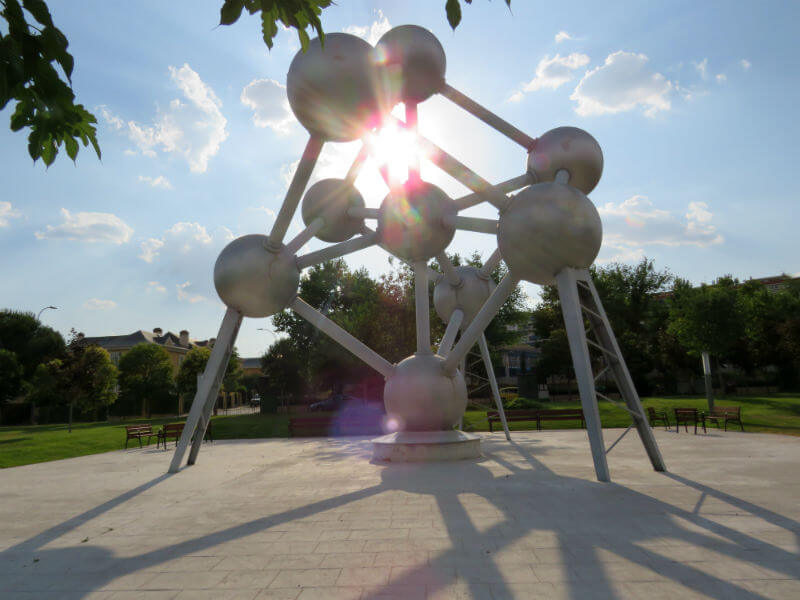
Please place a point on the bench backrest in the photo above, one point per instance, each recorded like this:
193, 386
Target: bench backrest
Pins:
685, 413
732, 412
576, 413
173, 428
493, 414
138, 429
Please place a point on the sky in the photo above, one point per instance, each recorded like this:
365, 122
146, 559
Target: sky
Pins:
694, 105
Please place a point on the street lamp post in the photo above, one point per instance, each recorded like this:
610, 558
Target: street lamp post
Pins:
44, 309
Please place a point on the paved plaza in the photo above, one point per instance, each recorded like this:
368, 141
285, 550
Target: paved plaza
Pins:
314, 519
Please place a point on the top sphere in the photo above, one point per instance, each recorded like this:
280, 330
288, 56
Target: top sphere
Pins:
414, 63
333, 90
571, 149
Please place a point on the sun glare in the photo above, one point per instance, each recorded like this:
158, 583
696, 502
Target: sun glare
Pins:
397, 149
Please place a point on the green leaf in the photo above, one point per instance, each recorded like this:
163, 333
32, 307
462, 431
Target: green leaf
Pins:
230, 12
71, 146
38, 8
269, 27
453, 10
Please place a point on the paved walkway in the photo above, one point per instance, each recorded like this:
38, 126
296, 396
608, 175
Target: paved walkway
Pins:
306, 519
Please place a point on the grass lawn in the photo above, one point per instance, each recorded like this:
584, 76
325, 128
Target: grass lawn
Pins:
22, 445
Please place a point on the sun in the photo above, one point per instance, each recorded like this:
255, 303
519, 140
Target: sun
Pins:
396, 148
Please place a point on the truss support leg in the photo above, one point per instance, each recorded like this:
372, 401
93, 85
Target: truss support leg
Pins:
487, 362
581, 361
207, 390
601, 327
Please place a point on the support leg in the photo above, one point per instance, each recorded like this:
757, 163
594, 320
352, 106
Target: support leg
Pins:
621, 374
487, 362
573, 320
207, 390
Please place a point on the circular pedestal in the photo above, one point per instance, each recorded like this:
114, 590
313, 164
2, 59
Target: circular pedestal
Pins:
426, 446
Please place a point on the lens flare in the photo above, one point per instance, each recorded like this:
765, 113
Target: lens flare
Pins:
397, 149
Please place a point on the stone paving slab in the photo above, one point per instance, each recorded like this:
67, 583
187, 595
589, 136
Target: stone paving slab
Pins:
305, 519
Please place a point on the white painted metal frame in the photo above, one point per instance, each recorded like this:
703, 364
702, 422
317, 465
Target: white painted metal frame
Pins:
578, 296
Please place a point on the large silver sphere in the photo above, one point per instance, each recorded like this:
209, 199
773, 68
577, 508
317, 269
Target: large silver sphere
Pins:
251, 279
414, 63
410, 221
571, 149
330, 199
419, 397
469, 296
549, 226
333, 91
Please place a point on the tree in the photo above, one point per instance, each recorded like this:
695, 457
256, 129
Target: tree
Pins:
10, 375
33, 50
145, 377
282, 371
32, 342
92, 378
194, 364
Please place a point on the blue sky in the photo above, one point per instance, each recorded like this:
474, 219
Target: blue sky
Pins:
693, 103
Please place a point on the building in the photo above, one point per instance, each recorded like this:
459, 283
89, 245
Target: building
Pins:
177, 346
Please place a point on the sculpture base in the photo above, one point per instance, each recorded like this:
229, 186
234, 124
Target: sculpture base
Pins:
426, 446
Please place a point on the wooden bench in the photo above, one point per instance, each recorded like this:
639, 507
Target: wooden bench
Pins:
175, 430
689, 416
727, 414
138, 432
331, 425
561, 414
493, 416
537, 415
654, 416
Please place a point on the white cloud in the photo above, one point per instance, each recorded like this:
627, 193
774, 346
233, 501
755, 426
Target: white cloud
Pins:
192, 127
159, 181
150, 248
702, 68
270, 107
623, 83
563, 36
265, 209
373, 32
7, 212
554, 72
746, 64
88, 227
635, 223
113, 120
187, 296
155, 286
182, 237
516, 97
721, 78
97, 304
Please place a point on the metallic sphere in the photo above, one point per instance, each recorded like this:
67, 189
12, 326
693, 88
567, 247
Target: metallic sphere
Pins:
469, 296
330, 199
414, 63
410, 222
251, 279
549, 226
333, 90
419, 397
571, 149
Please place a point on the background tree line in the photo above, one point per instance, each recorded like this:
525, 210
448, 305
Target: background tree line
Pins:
38, 369
663, 324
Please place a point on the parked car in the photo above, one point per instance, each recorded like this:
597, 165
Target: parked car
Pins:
336, 402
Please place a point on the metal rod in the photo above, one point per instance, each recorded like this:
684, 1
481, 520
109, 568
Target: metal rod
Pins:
339, 335
450, 332
485, 315
589, 310
423, 309
207, 389
562, 176
619, 405
448, 269
358, 162
504, 187
601, 373
295, 191
488, 117
602, 349
459, 171
412, 124
487, 362
619, 439
362, 212
491, 264
309, 232
337, 250
475, 224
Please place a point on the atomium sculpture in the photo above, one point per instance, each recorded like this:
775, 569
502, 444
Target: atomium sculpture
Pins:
548, 233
